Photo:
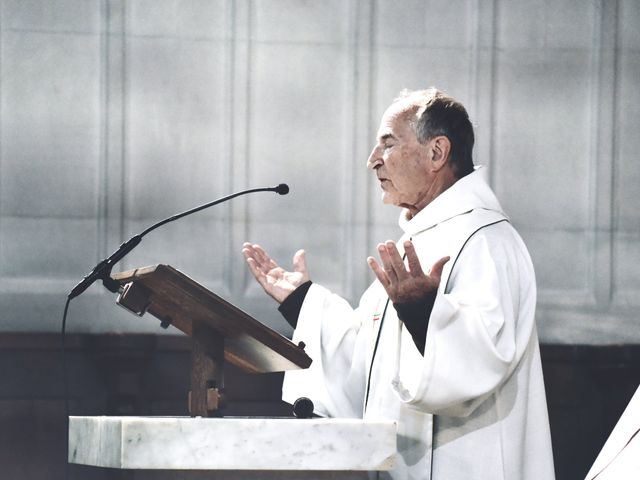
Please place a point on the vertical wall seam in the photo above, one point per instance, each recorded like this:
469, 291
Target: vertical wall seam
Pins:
251, 45
103, 156
248, 103
124, 118
370, 109
602, 169
474, 60
615, 136
595, 74
350, 153
229, 102
493, 95
1, 132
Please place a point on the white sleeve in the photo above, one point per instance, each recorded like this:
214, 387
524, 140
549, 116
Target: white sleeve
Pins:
478, 329
329, 327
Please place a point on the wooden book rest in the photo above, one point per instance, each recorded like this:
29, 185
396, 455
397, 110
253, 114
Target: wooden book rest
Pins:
220, 331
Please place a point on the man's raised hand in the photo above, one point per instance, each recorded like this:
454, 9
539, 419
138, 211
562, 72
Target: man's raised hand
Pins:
405, 284
276, 281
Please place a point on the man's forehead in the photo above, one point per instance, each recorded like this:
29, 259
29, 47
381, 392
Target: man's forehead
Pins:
395, 120
402, 106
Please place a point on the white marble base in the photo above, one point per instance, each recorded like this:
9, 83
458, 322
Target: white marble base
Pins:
183, 443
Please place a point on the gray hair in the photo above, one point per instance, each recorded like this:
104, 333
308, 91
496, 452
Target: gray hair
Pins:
436, 114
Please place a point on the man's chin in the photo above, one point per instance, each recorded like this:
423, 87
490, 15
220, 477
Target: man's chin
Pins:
389, 199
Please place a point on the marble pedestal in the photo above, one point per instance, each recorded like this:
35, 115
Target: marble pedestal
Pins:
248, 444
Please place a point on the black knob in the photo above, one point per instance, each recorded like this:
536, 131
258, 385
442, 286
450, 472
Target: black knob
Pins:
303, 408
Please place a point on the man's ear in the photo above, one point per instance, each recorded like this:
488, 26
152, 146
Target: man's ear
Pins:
440, 150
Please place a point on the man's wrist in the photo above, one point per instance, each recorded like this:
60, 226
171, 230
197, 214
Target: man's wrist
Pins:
292, 304
415, 316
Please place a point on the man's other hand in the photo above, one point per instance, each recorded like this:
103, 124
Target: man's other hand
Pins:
276, 281
405, 283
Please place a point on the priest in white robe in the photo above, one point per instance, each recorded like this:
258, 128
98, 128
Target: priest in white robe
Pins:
444, 342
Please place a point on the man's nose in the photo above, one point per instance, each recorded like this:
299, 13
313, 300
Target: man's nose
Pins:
375, 158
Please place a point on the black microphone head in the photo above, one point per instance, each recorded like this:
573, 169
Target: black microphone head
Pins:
303, 408
282, 189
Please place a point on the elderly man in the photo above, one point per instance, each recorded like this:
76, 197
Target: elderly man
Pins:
451, 354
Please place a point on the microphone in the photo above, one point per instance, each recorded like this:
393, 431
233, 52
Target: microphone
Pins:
303, 408
102, 270
282, 189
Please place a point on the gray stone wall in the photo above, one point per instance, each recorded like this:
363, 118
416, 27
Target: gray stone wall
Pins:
115, 114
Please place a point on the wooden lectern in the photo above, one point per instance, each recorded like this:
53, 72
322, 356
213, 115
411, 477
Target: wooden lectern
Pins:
220, 331
295, 449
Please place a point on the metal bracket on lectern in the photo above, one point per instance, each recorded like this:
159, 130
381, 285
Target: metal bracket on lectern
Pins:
135, 298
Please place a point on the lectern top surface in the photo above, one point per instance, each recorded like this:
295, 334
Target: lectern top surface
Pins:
174, 298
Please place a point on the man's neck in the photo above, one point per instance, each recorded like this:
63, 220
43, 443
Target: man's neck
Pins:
442, 182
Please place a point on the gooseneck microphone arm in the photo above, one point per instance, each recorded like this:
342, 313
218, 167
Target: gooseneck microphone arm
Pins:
102, 271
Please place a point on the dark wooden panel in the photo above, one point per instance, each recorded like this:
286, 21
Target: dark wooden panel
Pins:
27, 428
588, 387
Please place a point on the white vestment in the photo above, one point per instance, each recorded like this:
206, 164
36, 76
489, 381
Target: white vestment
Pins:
474, 406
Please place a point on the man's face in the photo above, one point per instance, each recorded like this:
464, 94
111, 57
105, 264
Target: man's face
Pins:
400, 162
